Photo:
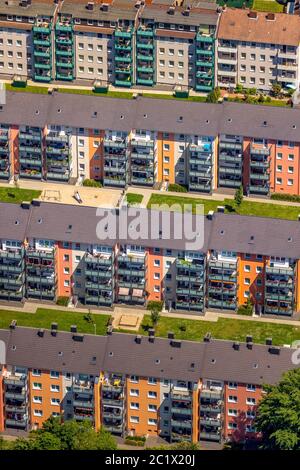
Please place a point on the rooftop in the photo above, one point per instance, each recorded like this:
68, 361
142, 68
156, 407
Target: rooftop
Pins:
242, 234
269, 28
120, 353
192, 13
182, 117
36, 8
116, 10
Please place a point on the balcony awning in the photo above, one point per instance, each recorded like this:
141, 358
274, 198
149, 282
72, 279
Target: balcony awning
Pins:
123, 291
137, 293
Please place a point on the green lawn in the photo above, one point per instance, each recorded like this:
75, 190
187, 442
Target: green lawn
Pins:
267, 5
44, 317
133, 198
261, 209
200, 99
17, 195
230, 329
29, 89
235, 3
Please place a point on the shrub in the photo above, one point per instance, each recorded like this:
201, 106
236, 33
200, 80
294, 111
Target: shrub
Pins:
62, 301
182, 328
130, 442
246, 309
155, 305
285, 197
92, 183
136, 438
177, 188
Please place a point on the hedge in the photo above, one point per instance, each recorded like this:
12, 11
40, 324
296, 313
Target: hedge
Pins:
285, 197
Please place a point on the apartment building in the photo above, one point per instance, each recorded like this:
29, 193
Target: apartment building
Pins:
45, 253
179, 390
68, 138
163, 43
257, 49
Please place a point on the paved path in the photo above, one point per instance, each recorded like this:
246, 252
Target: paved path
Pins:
210, 316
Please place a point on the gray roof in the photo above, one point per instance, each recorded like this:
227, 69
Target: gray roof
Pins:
175, 116
203, 14
118, 10
63, 222
121, 354
36, 8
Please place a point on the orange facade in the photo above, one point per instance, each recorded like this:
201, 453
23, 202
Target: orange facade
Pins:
155, 275
165, 157
251, 274
46, 394
64, 270
142, 398
96, 154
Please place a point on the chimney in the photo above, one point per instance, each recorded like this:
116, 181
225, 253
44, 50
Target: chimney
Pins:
151, 332
210, 215
36, 202
109, 330
274, 350
138, 339
41, 332
299, 217
171, 10
78, 337
249, 344
207, 337
13, 324
221, 209
25, 205
90, 6
104, 7
249, 339
73, 329
236, 346
252, 15
269, 341
171, 335
270, 17
176, 343
54, 327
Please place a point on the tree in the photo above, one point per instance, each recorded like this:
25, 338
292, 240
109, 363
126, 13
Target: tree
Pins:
239, 195
69, 435
155, 316
214, 96
276, 89
278, 414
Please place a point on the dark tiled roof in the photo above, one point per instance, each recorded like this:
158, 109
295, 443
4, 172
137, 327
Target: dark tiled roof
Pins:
243, 234
120, 353
182, 117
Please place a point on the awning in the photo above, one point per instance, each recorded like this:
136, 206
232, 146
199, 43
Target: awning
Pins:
123, 291
137, 293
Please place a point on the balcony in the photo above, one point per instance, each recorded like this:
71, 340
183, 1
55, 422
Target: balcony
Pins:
16, 423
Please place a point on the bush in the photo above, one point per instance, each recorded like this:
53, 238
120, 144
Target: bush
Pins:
177, 188
285, 197
62, 301
246, 309
155, 305
136, 438
182, 327
214, 96
130, 442
92, 183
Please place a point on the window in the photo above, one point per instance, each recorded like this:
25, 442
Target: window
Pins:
247, 268
161, 50
152, 381
232, 412
247, 281
37, 386
134, 379
152, 422
290, 182
54, 374
291, 169
152, 408
251, 388
171, 51
134, 406
252, 56
279, 156
156, 276
262, 58
54, 388
232, 385
66, 257
232, 425
279, 168
152, 394
278, 180
166, 147
258, 269
66, 283
36, 372
38, 413
66, 270
134, 419
37, 399
55, 401
291, 157
232, 399
250, 401
134, 392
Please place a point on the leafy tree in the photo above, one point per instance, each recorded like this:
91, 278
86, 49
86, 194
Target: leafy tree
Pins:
184, 445
239, 195
155, 316
239, 88
278, 414
214, 96
276, 89
69, 435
